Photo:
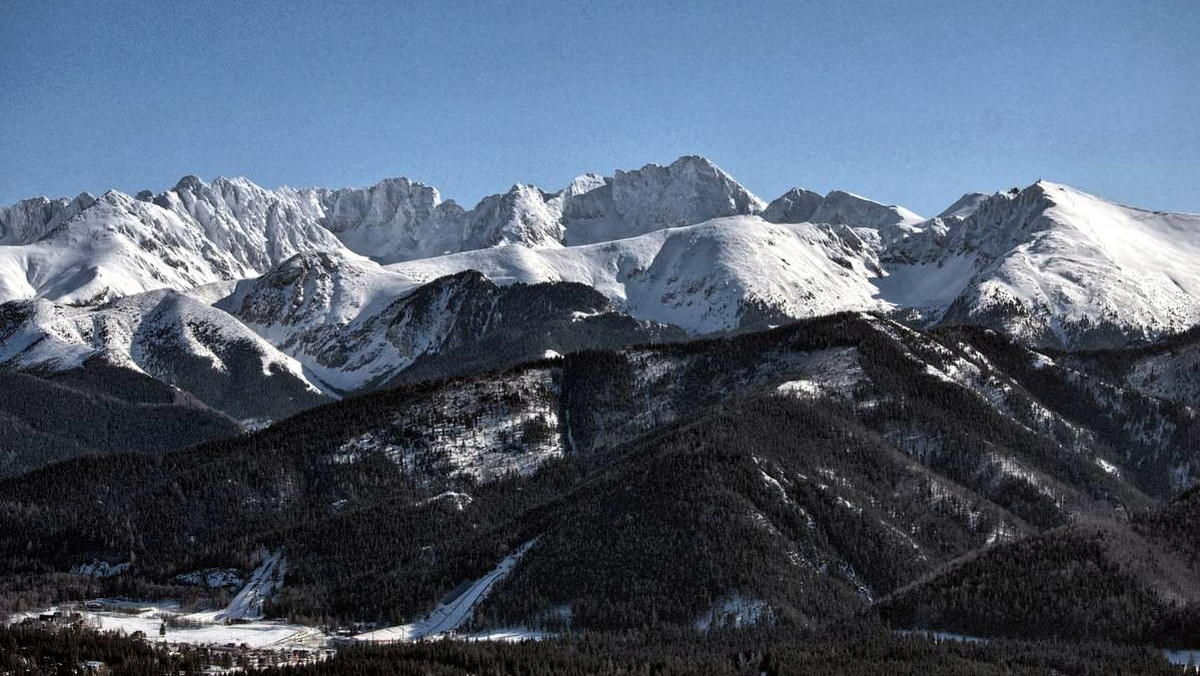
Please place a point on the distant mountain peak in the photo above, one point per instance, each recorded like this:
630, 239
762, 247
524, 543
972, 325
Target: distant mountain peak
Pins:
964, 206
190, 182
794, 206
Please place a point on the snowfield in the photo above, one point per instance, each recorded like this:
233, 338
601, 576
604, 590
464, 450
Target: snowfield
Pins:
314, 279
149, 619
704, 278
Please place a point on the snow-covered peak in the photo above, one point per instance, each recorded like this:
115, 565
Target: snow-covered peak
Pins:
1056, 265
839, 207
794, 206
393, 220
189, 183
965, 206
690, 190
196, 233
29, 220
520, 216
258, 227
1047, 260
583, 184
845, 208
719, 275
166, 335
116, 246
315, 288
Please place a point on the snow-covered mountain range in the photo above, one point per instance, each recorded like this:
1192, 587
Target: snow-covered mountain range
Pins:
328, 291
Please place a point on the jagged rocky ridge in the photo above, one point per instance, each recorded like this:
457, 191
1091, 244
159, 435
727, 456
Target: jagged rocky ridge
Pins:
681, 245
1049, 264
338, 332
355, 326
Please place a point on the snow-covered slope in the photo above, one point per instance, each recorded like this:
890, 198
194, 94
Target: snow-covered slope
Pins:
966, 205
1048, 264
166, 335
395, 219
688, 191
115, 247
842, 208
354, 324
257, 227
315, 306
845, 208
794, 206
399, 220
681, 244
1054, 265
716, 276
119, 245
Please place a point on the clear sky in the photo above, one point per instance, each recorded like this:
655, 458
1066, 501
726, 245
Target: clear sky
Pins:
906, 102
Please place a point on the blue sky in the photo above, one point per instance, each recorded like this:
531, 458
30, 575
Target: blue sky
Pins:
907, 102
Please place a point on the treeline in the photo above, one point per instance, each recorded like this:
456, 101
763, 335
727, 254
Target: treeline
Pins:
27, 650
863, 652
852, 649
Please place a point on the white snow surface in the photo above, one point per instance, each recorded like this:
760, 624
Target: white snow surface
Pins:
119, 246
1072, 261
148, 618
679, 244
308, 305
29, 220
703, 278
144, 332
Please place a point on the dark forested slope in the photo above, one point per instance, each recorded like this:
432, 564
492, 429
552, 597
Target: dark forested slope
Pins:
791, 476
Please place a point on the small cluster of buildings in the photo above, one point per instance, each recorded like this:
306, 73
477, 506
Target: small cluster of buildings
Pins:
231, 658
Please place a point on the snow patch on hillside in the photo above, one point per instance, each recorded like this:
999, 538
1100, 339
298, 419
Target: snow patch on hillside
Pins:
485, 429
734, 612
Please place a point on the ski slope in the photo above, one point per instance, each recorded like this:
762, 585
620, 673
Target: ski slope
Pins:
453, 614
248, 604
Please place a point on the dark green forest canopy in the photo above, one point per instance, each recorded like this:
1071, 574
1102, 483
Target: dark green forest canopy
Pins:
818, 506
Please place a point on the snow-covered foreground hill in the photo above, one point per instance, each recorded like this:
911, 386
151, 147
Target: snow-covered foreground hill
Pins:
1054, 265
168, 336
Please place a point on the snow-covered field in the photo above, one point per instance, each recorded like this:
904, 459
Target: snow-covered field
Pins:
148, 617
241, 622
